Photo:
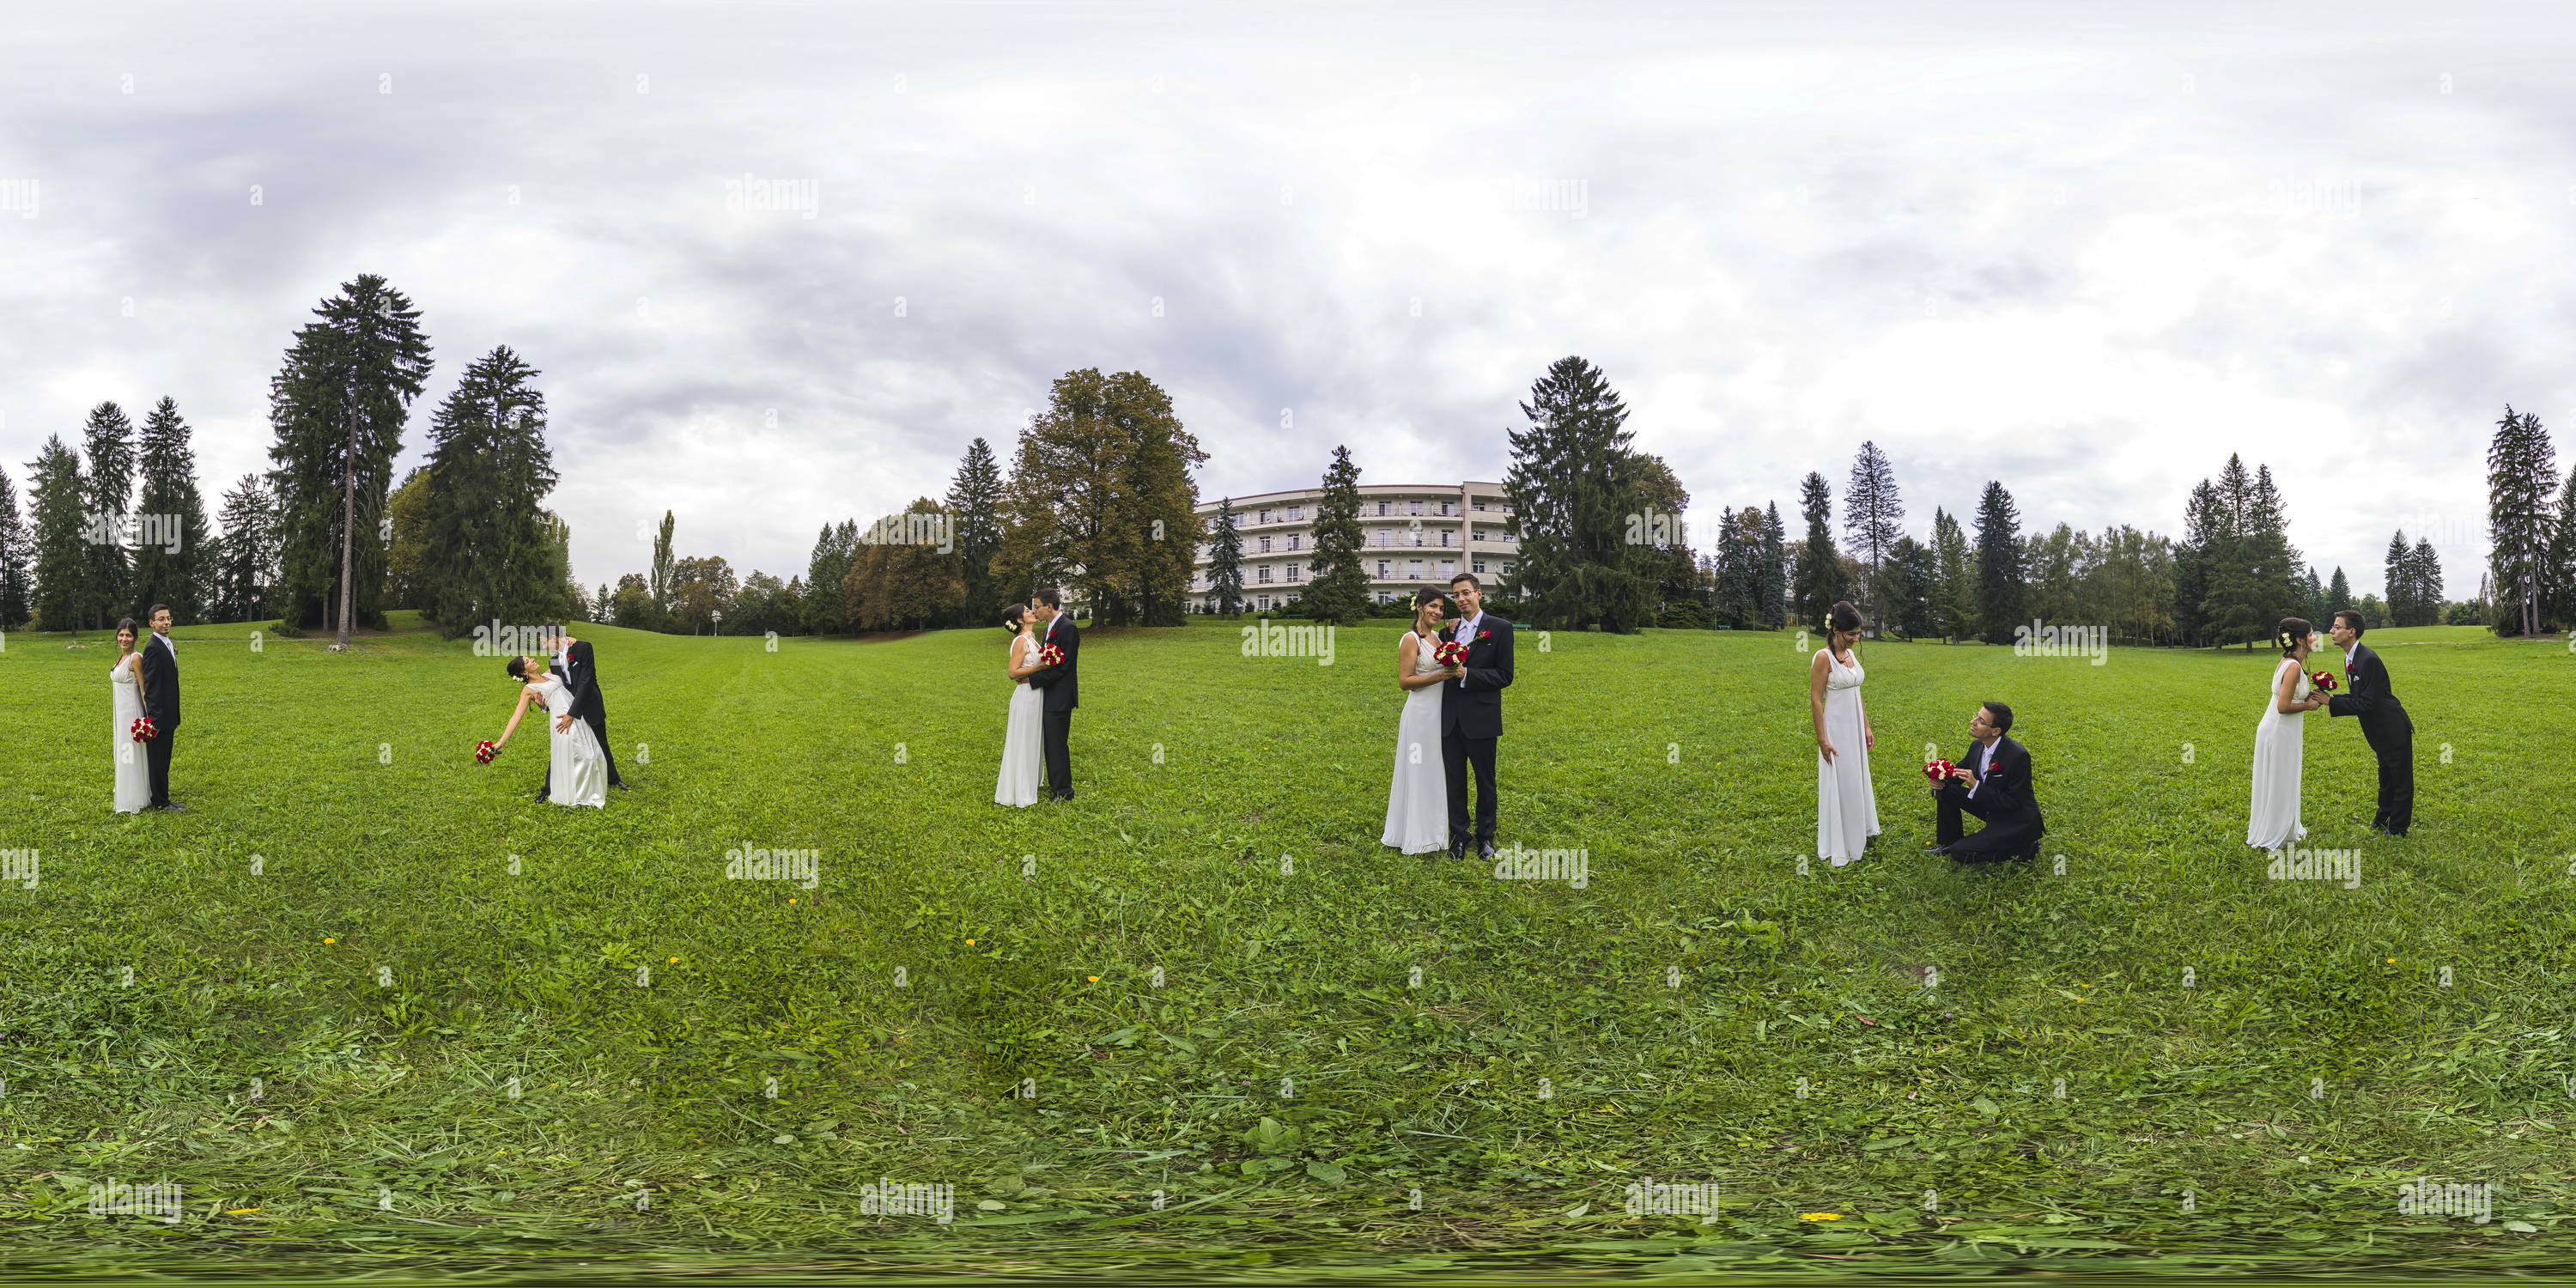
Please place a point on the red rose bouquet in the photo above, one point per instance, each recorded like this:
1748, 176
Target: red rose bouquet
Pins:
1938, 770
2323, 680
1050, 655
143, 729
1449, 653
484, 752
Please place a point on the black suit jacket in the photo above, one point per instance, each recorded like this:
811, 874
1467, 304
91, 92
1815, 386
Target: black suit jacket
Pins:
1062, 682
160, 683
2369, 697
2010, 802
581, 676
1472, 705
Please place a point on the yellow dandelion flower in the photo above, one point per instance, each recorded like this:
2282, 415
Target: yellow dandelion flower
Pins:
239, 1211
1093, 978
673, 962
330, 941
1820, 1216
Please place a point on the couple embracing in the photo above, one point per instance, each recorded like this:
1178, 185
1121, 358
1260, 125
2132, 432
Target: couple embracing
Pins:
1453, 676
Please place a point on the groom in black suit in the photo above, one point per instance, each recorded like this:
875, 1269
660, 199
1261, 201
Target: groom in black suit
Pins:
1994, 784
580, 674
1471, 713
2384, 723
161, 702
1062, 685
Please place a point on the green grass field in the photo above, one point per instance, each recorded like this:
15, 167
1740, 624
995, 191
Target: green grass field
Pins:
1204, 972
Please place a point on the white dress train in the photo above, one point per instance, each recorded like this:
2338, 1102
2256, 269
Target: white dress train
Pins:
1417, 801
1846, 805
575, 766
1023, 737
133, 768
2274, 820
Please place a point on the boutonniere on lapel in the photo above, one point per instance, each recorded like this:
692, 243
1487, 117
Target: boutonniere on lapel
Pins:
1484, 635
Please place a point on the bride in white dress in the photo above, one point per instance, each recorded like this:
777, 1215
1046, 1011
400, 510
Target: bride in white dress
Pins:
1417, 803
1846, 803
576, 768
125, 690
2274, 821
1023, 737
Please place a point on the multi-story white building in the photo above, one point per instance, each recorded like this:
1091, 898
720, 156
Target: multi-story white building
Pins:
1411, 535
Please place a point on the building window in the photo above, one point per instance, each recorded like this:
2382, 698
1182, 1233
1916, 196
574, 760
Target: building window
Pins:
1480, 506
1265, 603
1292, 572
1445, 535
1265, 545
1448, 507
1381, 508
1507, 570
1479, 565
1296, 512
1417, 536
1385, 568
1265, 517
1417, 507
1413, 569
1448, 567
1292, 540
1385, 537
1263, 575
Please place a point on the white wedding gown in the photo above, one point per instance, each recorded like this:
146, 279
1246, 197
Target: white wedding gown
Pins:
574, 765
2275, 818
1846, 805
133, 769
1417, 802
1023, 737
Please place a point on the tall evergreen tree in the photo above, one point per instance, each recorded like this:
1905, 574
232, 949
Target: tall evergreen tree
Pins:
245, 574
2559, 574
2397, 580
337, 407
1819, 579
1225, 560
2314, 591
975, 507
2247, 562
170, 564
1339, 592
107, 588
2522, 471
490, 550
2425, 569
1573, 484
825, 570
1775, 569
1913, 577
1873, 515
2338, 593
59, 529
664, 581
17, 561
2001, 587
1954, 580
2206, 523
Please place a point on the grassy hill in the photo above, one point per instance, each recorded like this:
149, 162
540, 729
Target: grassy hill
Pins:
1204, 978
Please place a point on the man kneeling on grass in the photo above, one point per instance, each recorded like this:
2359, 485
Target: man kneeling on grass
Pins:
1994, 784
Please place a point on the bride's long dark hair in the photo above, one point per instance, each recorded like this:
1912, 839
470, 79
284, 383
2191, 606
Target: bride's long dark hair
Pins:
1014, 615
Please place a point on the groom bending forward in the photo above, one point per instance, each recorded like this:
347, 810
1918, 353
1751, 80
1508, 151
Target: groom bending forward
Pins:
1471, 714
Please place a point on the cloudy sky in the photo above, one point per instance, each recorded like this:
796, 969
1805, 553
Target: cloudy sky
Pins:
780, 262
